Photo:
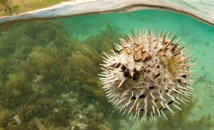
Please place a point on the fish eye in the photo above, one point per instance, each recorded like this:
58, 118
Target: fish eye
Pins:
123, 68
126, 74
135, 76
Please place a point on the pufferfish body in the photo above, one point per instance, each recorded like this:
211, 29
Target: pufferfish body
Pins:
147, 74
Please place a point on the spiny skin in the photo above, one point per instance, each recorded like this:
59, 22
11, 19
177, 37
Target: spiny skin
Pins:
147, 74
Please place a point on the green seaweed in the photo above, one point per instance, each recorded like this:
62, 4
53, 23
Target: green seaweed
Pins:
44, 61
61, 116
38, 68
104, 40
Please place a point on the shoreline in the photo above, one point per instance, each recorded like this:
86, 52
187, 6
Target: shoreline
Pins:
82, 7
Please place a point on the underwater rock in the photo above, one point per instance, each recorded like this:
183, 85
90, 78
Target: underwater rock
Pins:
38, 86
147, 74
17, 120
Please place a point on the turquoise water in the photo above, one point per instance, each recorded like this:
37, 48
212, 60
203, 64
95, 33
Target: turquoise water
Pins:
198, 35
49, 81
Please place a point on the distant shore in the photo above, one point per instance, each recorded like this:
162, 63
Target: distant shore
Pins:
49, 9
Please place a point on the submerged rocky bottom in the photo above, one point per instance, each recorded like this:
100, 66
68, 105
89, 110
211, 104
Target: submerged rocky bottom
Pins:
49, 81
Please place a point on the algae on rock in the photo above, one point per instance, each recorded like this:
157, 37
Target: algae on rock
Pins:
39, 63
